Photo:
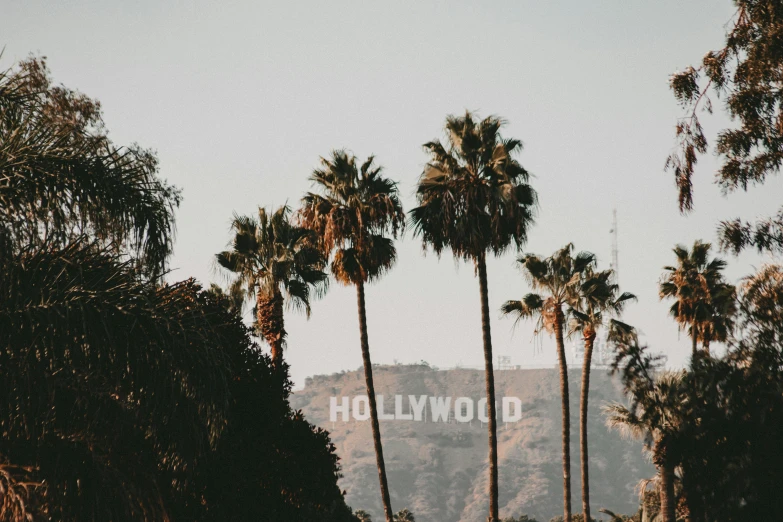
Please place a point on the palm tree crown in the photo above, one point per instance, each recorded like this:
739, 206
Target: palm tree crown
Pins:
658, 409
704, 304
356, 210
273, 258
597, 299
62, 178
473, 194
559, 278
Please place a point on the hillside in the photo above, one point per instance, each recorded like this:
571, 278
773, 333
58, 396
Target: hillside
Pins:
438, 470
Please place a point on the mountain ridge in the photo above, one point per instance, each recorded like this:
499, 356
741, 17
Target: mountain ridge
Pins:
439, 469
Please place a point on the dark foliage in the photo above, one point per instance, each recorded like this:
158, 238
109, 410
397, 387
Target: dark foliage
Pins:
736, 415
746, 73
123, 399
269, 464
61, 177
108, 381
279, 264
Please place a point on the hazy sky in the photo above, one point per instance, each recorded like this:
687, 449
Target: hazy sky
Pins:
241, 98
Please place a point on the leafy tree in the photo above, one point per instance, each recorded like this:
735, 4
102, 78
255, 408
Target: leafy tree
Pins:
746, 73
474, 199
656, 413
276, 262
123, 398
704, 303
356, 216
108, 378
598, 298
61, 177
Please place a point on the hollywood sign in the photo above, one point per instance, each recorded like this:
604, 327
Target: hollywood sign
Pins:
422, 408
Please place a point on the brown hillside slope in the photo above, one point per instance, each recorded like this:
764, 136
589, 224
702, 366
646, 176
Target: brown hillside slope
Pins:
439, 470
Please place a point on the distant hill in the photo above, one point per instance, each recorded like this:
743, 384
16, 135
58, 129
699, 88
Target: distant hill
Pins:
439, 470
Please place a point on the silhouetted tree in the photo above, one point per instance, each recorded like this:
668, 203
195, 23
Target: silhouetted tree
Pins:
656, 414
704, 304
269, 463
62, 178
278, 263
746, 74
598, 298
404, 516
356, 216
474, 199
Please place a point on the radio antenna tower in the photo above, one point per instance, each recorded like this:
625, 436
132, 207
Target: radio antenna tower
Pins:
615, 266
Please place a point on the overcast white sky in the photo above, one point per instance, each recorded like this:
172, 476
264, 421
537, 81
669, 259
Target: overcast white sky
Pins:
240, 99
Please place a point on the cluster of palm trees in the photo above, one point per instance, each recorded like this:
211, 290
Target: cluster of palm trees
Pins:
473, 199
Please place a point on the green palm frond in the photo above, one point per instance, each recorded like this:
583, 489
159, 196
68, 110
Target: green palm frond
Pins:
703, 303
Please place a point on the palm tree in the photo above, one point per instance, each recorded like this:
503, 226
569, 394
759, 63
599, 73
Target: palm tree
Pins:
273, 258
474, 198
559, 278
355, 211
655, 414
404, 516
599, 297
704, 304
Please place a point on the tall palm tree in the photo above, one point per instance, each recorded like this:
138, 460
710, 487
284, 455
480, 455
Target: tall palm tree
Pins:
474, 198
656, 413
559, 279
599, 296
277, 262
356, 216
704, 304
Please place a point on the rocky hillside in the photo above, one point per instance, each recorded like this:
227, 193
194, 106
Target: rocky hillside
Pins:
439, 469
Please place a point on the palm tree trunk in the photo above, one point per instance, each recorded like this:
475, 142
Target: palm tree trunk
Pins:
376, 429
489, 375
566, 416
694, 338
583, 457
666, 471
269, 316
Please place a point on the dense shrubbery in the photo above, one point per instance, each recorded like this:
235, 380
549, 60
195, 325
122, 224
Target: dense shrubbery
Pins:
124, 398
